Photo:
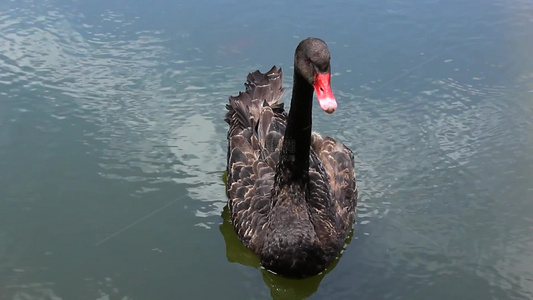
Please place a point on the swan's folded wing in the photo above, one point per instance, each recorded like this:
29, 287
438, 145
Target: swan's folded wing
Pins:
257, 125
338, 162
267, 86
250, 183
261, 90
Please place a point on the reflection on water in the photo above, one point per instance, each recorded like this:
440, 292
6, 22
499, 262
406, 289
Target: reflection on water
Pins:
285, 288
280, 287
112, 142
194, 156
235, 249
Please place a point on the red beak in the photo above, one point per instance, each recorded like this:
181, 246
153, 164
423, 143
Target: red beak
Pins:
323, 92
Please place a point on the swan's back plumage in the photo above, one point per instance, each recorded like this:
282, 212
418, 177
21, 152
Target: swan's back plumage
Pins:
337, 162
257, 122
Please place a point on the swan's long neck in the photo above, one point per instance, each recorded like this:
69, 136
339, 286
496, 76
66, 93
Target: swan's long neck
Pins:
297, 140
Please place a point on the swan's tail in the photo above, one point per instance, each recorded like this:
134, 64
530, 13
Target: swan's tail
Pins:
262, 90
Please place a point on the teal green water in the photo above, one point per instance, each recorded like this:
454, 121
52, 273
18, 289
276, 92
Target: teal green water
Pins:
113, 144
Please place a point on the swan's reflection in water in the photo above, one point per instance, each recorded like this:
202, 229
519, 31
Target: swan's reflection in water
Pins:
280, 287
235, 250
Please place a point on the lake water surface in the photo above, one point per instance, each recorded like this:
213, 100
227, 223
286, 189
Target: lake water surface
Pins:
112, 146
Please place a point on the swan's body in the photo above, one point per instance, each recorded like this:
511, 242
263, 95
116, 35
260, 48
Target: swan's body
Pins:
292, 193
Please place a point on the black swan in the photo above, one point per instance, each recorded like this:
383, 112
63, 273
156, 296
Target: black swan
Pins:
292, 193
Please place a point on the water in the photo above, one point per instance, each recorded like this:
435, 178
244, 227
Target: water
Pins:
112, 147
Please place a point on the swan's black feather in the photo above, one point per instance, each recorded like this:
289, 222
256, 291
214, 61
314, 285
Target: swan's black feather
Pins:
297, 229
244, 113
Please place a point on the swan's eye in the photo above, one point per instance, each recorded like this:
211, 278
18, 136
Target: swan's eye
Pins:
307, 60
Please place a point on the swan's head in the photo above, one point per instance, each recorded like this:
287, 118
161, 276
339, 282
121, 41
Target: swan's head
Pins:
311, 61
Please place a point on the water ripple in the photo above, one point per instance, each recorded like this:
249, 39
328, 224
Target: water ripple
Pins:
441, 129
